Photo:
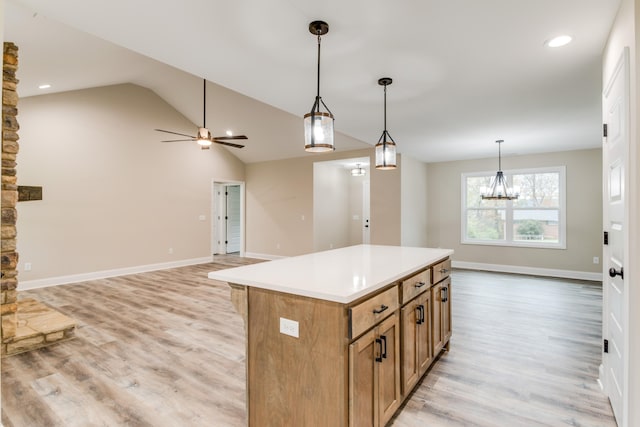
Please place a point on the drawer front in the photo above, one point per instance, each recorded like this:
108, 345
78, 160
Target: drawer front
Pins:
369, 312
415, 285
441, 270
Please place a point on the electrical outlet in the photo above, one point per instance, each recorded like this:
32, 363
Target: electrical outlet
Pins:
27, 266
289, 327
596, 260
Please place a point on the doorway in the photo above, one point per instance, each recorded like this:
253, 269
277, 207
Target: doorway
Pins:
340, 203
227, 225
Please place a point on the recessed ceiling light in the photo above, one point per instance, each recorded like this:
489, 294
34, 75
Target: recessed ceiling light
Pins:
559, 41
229, 133
44, 86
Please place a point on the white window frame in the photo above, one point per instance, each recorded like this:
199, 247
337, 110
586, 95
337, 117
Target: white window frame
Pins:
509, 209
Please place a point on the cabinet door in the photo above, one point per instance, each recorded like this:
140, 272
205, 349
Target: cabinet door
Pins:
363, 380
389, 368
410, 318
423, 336
436, 318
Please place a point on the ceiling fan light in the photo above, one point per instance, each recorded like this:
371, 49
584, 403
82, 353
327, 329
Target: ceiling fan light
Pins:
385, 155
318, 132
204, 137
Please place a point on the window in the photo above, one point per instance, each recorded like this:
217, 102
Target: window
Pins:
536, 219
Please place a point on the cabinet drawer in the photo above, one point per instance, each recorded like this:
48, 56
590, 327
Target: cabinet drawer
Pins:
369, 312
441, 270
415, 285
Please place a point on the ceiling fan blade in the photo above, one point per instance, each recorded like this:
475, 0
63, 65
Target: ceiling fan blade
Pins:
179, 140
228, 144
230, 137
175, 133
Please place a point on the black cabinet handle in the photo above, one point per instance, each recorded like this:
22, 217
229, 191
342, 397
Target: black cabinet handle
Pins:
384, 341
381, 309
420, 309
613, 272
379, 342
445, 294
420, 284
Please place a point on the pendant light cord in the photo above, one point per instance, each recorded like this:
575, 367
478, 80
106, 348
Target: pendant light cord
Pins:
385, 108
318, 82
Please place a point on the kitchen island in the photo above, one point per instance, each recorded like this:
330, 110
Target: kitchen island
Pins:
340, 337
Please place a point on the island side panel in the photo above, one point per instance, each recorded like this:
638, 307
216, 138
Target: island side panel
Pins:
296, 381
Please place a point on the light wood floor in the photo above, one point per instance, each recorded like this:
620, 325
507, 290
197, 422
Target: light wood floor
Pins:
167, 349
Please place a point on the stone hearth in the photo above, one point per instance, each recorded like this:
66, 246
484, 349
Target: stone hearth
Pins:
38, 325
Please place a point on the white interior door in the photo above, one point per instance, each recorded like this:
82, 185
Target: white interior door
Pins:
219, 223
233, 219
615, 216
366, 225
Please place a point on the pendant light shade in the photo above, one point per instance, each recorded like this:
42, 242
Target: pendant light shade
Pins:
318, 125
386, 146
498, 188
358, 171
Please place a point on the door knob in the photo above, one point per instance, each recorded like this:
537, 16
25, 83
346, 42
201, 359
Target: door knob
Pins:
613, 272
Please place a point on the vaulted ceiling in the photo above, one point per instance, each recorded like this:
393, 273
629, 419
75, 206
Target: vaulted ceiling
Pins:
465, 72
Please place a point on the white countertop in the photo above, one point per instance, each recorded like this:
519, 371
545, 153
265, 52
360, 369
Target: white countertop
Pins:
340, 275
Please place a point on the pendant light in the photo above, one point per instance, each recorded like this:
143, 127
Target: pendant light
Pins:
385, 149
498, 188
358, 171
318, 125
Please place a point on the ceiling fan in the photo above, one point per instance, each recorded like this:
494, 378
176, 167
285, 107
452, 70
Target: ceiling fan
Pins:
203, 137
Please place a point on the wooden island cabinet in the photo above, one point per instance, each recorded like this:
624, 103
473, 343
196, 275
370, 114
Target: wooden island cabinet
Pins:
341, 337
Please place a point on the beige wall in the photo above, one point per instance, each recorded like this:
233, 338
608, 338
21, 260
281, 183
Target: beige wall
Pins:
280, 195
584, 212
625, 33
414, 202
385, 197
331, 192
113, 195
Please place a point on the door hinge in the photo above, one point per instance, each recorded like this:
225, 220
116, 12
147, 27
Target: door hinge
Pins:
606, 238
606, 346
604, 130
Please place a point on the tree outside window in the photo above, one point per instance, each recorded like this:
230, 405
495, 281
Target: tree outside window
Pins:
535, 219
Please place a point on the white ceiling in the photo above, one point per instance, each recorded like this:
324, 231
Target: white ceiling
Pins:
465, 72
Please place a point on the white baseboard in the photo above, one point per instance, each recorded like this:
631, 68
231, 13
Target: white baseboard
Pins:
534, 271
601, 376
263, 256
83, 277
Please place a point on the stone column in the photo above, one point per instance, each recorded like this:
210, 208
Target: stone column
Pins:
9, 256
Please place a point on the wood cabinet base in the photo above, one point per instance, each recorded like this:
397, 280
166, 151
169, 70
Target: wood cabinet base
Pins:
312, 362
